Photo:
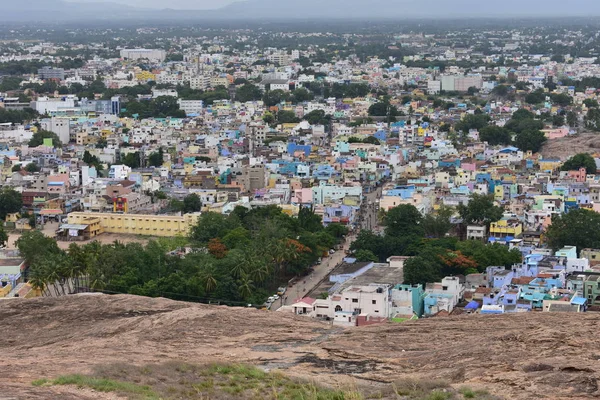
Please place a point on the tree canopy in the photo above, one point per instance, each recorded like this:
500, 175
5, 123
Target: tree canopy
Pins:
578, 227
580, 160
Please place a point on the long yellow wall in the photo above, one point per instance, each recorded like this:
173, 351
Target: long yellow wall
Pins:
139, 224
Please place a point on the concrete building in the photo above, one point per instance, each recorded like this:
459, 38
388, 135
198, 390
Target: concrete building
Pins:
139, 224
49, 73
150, 54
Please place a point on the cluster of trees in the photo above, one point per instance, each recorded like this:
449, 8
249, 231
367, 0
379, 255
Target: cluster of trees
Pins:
384, 109
93, 161
38, 138
191, 203
161, 107
522, 130
368, 139
11, 201
578, 227
238, 259
17, 116
580, 160
31, 168
435, 255
539, 96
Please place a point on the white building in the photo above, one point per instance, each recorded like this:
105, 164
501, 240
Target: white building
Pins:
191, 106
150, 54
119, 172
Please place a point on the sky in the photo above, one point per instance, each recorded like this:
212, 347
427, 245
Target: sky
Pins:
161, 4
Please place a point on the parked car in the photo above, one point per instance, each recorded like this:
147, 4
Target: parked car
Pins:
271, 299
281, 290
276, 297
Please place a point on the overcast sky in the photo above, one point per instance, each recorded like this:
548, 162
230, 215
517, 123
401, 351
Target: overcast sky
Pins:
161, 4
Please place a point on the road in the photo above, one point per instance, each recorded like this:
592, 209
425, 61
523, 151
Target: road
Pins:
304, 285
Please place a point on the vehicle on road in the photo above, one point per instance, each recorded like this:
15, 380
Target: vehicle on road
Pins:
270, 299
276, 297
281, 290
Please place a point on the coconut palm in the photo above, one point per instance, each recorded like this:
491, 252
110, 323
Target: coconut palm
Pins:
246, 286
208, 275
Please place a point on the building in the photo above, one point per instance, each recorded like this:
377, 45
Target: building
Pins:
49, 73
138, 224
119, 172
190, 106
253, 177
150, 54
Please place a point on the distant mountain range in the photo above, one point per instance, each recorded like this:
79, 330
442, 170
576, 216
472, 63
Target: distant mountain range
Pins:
61, 11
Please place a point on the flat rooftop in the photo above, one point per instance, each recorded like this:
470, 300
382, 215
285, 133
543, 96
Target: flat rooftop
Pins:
379, 273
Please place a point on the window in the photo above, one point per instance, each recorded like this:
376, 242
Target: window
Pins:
355, 300
338, 308
444, 287
373, 301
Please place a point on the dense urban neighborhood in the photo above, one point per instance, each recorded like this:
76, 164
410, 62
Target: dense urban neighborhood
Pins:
351, 176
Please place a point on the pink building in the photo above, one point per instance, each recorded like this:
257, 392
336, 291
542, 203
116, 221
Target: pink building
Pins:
556, 133
579, 175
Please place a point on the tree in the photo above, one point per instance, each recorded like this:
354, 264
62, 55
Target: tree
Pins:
495, 135
535, 97
589, 103
592, 119
286, 117
301, 94
437, 225
32, 167
421, 270
381, 109
472, 121
268, 118
156, 159
16, 168
562, 99
248, 92
3, 236
403, 220
192, 203
522, 114
572, 120
480, 210
580, 160
365, 256
500, 90
132, 160
11, 201
530, 140
371, 140
38, 138
579, 228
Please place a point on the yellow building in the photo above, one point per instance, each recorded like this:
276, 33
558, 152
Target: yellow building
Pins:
505, 228
549, 164
139, 224
145, 76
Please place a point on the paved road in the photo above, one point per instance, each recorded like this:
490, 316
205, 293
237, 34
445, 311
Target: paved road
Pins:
305, 285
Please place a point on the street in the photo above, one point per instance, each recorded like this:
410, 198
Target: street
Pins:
367, 220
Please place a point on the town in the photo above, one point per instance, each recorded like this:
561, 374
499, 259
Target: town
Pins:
348, 176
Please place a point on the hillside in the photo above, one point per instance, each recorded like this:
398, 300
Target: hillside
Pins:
524, 356
564, 148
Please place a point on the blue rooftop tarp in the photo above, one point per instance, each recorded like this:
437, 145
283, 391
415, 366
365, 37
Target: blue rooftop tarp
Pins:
473, 305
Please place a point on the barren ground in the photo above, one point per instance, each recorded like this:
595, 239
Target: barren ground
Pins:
566, 147
520, 356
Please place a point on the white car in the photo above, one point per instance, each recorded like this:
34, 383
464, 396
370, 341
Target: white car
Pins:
276, 297
271, 299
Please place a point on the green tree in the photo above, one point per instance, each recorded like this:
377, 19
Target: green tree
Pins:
32, 167
572, 119
589, 103
530, 140
192, 203
495, 135
11, 201
579, 228
437, 225
38, 138
248, 92
421, 270
132, 160
472, 121
3, 236
365, 256
403, 220
592, 119
16, 168
285, 117
580, 160
480, 210
156, 159
535, 97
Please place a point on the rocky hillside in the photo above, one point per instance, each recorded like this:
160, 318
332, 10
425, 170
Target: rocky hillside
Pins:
566, 147
524, 356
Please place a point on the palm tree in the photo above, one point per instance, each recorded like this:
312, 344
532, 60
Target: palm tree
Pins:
260, 272
246, 286
209, 278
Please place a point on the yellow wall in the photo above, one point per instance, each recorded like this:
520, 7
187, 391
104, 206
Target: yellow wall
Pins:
139, 224
503, 227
